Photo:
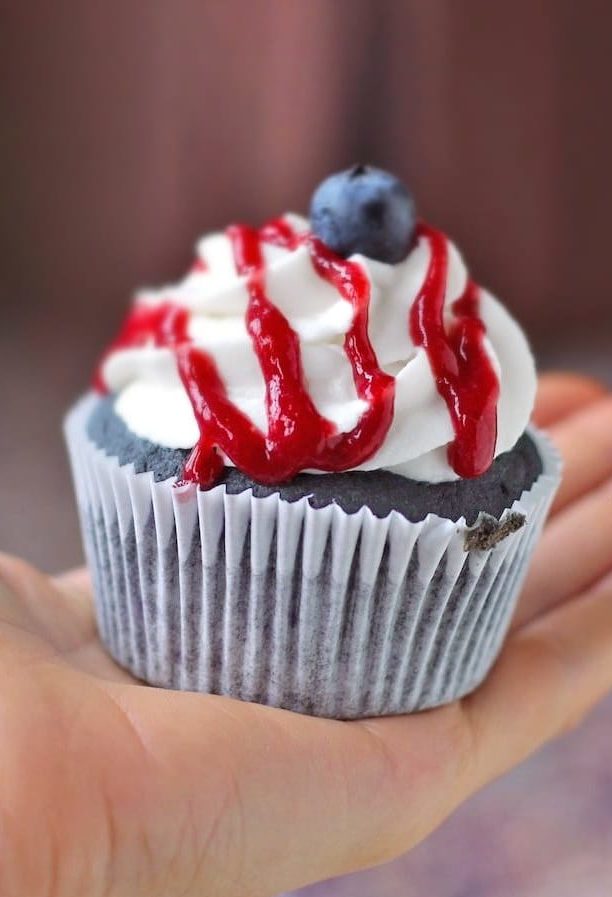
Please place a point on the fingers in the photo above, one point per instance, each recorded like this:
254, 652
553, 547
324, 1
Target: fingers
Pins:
561, 394
575, 551
32, 601
585, 442
549, 676
576, 547
76, 584
87, 654
21, 587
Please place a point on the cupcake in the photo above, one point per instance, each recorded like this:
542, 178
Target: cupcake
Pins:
305, 473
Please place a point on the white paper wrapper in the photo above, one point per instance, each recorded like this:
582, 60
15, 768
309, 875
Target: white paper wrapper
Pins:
315, 610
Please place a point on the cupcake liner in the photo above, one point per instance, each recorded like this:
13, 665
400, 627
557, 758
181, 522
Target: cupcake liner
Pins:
315, 610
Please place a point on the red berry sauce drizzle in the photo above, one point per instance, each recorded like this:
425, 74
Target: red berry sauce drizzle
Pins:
463, 371
163, 325
298, 437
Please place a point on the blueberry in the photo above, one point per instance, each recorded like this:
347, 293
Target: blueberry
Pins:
364, 210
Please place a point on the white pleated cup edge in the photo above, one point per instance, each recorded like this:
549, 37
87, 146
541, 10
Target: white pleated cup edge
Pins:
251, 643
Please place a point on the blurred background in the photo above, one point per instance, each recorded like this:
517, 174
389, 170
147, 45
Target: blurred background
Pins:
129, 127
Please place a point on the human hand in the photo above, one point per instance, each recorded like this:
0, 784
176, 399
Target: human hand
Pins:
112, 788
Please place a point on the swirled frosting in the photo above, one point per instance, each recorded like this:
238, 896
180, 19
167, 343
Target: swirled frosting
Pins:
154, 401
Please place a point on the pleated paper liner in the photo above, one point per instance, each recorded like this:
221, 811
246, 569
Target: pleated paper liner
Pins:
315, 610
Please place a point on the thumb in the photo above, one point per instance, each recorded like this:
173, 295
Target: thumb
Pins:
265, 800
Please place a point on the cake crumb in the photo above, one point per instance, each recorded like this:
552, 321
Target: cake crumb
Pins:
487, 531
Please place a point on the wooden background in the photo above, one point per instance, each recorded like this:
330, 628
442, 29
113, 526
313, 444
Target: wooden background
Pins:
129, 127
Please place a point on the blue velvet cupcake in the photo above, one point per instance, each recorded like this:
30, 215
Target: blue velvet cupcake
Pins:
306, 476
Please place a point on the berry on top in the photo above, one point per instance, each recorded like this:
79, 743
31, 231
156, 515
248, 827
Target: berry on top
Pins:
364, 210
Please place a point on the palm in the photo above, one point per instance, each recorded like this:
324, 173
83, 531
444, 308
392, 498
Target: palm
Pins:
175, 793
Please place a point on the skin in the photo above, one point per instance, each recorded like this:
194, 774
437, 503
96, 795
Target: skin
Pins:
112, 789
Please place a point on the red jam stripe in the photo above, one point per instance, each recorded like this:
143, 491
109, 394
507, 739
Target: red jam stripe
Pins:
372, 384
463, 371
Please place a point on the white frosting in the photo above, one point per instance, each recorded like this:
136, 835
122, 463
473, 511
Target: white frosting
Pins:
153, 403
